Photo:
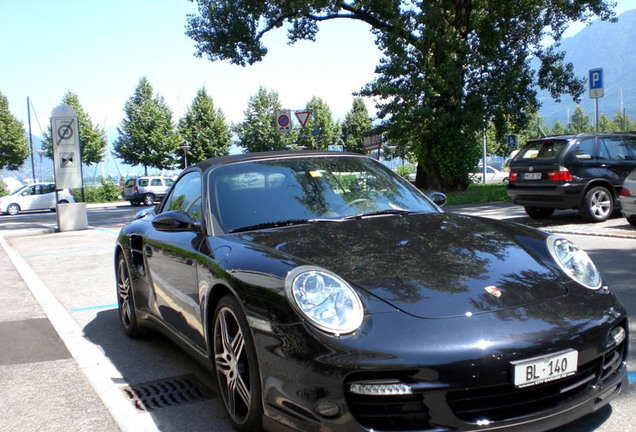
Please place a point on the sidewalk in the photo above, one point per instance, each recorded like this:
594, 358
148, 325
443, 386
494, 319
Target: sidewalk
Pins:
42, 388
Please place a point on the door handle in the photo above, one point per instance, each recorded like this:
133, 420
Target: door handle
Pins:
148, 251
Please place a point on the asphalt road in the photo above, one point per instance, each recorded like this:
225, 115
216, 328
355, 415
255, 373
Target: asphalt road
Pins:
82, 386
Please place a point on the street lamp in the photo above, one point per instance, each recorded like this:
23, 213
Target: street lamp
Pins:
185, 147
41, 153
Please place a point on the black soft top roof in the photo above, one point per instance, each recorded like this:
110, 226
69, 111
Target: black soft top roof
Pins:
222, 160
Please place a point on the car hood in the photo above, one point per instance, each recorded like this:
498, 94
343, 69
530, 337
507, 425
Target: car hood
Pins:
427, 265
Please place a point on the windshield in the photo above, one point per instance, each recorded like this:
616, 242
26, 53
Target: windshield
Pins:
308, 189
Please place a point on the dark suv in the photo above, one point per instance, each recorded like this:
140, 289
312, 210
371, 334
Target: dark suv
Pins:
583, 172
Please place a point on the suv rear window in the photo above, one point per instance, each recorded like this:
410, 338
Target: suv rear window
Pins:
541, 150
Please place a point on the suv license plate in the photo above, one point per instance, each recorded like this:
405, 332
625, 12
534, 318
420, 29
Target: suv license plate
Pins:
544, 369
532, 176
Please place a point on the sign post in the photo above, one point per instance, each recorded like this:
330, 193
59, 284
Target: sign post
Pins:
596, 90
67, 162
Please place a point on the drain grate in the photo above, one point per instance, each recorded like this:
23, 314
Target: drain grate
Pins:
167, 392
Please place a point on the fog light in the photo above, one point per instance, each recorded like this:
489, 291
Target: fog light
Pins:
617, 336
381, 388
328, 408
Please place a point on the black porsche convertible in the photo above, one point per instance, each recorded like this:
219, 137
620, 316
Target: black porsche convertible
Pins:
325, 292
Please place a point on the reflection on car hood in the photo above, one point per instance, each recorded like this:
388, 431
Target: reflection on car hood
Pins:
431, 266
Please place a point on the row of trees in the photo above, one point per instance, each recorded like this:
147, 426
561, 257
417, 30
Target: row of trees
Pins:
149, 137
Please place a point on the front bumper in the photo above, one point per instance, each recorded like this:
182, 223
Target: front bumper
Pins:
460, 381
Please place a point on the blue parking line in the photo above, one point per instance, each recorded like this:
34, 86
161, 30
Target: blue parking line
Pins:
68, 252
107, 306
109, 231
631, 376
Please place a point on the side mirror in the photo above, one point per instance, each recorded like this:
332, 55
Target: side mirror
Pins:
176, 220
438, 198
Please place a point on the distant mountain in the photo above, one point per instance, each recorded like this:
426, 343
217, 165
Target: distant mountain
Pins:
610, 46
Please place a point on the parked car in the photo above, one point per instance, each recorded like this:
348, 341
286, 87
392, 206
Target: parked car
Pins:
146, 190
493, 175
325, 292
37, 196
584, 172
628, 198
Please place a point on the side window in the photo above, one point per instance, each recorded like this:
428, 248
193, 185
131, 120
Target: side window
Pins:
143, 182
585, 149
155, 182
631, 142
186, 195
616, 149
48, 189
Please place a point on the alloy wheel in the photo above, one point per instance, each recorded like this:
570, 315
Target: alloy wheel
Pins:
236, 366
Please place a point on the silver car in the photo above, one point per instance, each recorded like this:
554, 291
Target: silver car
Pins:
146, 190
37, 196
628, 198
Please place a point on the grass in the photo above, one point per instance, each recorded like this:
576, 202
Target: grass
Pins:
478, 193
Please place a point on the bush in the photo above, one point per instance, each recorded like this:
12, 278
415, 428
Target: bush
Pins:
478, 193
405, 170
106, 192
3, 189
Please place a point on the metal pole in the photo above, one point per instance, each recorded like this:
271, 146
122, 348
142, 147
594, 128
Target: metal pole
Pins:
483, 146
31, 140
596, 114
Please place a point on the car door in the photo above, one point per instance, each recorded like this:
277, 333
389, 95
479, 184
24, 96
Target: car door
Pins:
171, 258
28, 198
615, 158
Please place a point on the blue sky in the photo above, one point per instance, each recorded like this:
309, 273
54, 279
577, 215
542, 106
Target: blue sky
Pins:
100, 49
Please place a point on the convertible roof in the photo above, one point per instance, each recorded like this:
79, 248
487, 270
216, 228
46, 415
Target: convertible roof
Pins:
204, 165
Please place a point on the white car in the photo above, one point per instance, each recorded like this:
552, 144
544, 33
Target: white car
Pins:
493, 175
37, 196
628, 198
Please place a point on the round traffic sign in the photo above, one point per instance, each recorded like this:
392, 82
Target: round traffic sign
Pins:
283, 120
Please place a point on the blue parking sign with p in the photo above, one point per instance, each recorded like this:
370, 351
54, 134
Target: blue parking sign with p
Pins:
596, 83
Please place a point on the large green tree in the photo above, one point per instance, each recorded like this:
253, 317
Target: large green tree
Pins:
14, 146
357, 124
258, 131
450, 67
580, 122
92, 138
146, 134
204, 129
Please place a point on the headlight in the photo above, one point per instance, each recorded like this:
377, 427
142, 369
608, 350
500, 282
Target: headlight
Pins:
326, 300
574, 262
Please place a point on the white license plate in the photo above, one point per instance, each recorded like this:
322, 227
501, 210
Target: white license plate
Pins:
544, 369
532, 176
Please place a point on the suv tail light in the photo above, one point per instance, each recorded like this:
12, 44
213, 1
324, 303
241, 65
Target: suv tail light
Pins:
562, 174
136, 189
625, 192
513, 176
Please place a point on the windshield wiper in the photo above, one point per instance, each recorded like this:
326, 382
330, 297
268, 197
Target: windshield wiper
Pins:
381, 213
284, 223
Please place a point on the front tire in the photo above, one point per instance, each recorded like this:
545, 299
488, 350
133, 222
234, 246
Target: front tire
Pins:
237, 366
13, 209
598, 204
539, 212
125, 300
